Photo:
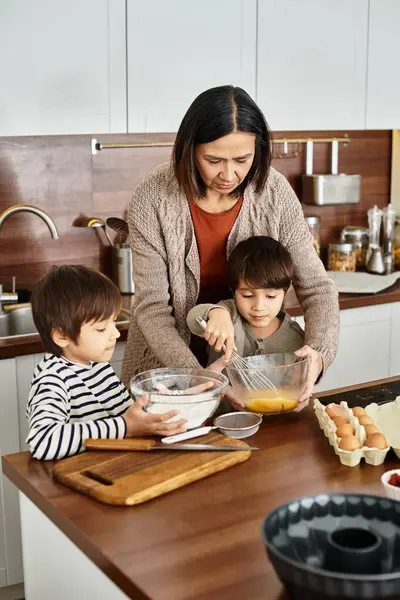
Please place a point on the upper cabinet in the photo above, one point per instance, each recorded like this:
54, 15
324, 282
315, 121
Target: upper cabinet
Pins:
62, 67
383, 86
178, 49
312, 63
118, 66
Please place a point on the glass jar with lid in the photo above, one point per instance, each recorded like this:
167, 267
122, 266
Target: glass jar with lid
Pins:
341, 257
314, 227
396, 245
358, 236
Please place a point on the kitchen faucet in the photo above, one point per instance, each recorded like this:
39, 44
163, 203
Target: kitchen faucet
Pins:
13, 297
32, 209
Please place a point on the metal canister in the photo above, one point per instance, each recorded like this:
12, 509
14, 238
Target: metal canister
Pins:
122, 268
358, 236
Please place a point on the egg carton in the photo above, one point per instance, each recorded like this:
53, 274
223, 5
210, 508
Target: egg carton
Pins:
372, 456
387, 418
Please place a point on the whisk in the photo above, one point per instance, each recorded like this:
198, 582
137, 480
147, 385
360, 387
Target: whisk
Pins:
251, 378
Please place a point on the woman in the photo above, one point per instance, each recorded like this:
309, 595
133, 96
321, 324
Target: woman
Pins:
187, 216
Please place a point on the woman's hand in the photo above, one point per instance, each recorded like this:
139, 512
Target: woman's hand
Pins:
234, 399
314, 372
219, 331
139, 422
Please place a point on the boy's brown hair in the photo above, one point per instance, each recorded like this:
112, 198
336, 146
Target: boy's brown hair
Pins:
69, 296
261, 262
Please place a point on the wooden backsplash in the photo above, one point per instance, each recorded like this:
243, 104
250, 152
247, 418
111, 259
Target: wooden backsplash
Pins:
60, 175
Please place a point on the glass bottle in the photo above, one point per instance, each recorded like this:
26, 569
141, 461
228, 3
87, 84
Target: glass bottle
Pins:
374, 223
396, 245
388, 219
314, 225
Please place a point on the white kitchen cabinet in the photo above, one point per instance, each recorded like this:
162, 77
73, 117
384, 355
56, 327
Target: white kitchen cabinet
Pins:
10, 531
394, 368
383, 89
118, 357
63, 67
364, 348
178, 49
312, 62
25, 366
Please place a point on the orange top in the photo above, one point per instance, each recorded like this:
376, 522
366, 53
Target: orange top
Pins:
212, 231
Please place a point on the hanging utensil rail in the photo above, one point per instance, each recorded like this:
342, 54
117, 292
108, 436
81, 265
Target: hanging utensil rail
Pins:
97, 146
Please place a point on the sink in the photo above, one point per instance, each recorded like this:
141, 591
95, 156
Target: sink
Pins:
20, 322
17, 322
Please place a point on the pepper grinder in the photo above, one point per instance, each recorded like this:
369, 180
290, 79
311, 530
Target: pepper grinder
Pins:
388, 219
374, 222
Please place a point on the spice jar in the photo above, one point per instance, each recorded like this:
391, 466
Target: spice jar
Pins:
341, 257
396, 245
358, 236
314, 227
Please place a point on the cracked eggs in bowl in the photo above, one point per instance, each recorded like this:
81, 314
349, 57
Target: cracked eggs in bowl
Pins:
269, 384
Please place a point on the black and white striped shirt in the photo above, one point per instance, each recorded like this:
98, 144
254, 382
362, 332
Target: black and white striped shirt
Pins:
71, 402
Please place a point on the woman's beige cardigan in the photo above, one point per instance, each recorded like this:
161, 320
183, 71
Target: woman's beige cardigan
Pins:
166, 268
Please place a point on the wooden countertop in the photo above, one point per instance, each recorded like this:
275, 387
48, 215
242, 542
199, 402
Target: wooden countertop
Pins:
205, 537
30, 344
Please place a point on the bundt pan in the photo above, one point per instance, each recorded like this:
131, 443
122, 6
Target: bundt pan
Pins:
336, 546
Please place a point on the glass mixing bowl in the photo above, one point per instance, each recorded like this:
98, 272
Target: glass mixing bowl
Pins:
196, 393
269, 384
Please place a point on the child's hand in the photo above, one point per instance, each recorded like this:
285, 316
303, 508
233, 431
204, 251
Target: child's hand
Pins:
219, 331
231, 395
138, 422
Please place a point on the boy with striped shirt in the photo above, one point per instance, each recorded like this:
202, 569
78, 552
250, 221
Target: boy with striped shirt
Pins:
75, 394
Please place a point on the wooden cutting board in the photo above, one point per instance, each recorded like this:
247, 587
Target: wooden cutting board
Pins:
128, 478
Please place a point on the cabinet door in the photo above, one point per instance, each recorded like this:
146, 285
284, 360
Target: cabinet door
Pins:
311, 63
10, 531
25, 366
63, 67
364, 347
178, 49
117, 358
395, 341
383, 90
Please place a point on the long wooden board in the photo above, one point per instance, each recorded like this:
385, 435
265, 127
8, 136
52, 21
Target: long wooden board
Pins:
129, 478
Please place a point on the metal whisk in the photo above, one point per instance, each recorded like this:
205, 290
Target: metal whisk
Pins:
250, 377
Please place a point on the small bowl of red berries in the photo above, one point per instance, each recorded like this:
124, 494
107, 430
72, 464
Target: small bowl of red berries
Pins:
391, 483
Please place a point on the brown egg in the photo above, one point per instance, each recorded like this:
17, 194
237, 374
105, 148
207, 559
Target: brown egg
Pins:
370, 429
376, 440
335, 410
349, 443
344, 429
366, 420
358, 411
340, 421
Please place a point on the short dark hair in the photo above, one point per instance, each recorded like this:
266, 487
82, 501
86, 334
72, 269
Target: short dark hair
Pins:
213, 114
261, 262
69, 296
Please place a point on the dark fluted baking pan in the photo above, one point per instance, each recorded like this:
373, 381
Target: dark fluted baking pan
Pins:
307, 537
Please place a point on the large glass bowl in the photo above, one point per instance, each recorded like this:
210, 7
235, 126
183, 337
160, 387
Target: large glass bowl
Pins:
175, 389
269, 384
